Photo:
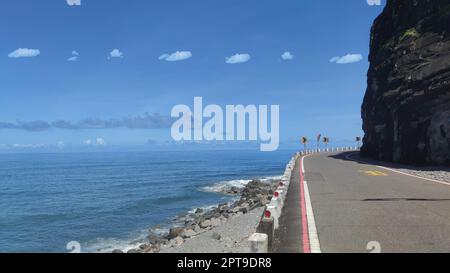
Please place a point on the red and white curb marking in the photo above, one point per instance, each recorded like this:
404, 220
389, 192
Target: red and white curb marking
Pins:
310, 238
275, 207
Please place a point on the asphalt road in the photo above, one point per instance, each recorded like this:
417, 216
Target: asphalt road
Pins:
358, 207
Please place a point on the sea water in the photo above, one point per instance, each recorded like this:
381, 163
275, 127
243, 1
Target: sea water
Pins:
112, 200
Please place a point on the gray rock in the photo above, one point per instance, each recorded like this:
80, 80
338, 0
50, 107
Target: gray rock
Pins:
235, 209
134, 251
215, 222
149, 248
175, 232
198, 211
144, 246
153, 249
189, 233
244, 210
197, 228
232, 191
216, 236
205, 224
177, 241
153, 240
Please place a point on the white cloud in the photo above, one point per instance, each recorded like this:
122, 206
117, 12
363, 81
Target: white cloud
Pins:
60, 144
177, 56
347, 59
238, 58
100, 141
24, 53
87, 142
287, 56
116, 54
28, 146
73, 2
374, 2
74, 57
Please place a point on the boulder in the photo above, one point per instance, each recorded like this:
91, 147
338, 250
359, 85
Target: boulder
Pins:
216, 236
149, 248
199, 211
244, 210
153, 240
233, 191
205, 224
197, 228
175, 232
189, 233
144, 246
177, 241
134, 251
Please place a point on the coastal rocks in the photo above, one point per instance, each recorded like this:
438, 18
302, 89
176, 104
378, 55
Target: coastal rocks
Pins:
254, 195
199, 211
150, 248
205, 224
134, 251
244, 208
406, 109
232, 191
175, 232
154, 240
189, 233
223, 208
176, 241
197, 228
257, 188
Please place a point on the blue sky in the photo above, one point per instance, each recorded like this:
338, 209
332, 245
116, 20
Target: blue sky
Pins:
314, 94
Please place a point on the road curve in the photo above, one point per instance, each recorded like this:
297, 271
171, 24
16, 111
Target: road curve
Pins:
359, 207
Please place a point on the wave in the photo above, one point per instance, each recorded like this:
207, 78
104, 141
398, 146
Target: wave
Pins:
107, 245
207, 208
238, 183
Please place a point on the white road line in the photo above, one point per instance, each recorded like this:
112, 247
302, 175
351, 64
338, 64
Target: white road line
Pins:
312, 230
407, 174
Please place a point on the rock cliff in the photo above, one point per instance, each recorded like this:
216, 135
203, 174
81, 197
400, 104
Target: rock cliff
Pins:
406, 109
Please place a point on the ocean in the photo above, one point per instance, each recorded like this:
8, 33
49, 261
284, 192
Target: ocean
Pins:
113, 200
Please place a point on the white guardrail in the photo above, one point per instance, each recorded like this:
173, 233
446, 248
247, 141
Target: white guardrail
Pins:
261, 242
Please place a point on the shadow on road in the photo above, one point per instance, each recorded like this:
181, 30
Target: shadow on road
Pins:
355, 157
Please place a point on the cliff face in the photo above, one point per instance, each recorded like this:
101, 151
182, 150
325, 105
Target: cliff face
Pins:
406, 109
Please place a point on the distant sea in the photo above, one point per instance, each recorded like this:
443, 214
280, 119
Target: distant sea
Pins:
112, 200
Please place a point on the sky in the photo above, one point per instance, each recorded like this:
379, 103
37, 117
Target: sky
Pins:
77, 74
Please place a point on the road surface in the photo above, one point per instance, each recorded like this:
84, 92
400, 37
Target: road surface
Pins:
347, 205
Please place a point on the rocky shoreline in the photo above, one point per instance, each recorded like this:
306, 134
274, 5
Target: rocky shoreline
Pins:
255, 194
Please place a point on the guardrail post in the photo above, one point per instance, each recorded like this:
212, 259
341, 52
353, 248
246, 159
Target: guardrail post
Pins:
259, 243
267, 226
